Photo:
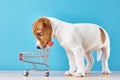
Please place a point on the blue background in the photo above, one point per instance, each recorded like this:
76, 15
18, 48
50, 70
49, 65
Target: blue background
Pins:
17, 16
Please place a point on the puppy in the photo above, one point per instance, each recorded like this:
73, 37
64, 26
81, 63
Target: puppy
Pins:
79, 40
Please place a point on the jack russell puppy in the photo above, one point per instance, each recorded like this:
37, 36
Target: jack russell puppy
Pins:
79, 40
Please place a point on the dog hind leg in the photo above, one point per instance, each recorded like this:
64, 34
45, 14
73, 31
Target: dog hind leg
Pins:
90, 61
106, 54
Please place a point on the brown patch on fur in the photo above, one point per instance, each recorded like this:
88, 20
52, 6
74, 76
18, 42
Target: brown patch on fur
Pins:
42, 29
103, 36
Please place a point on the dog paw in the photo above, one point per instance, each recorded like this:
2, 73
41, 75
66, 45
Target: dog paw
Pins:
87, 71
77, 74
106, 72
69, 73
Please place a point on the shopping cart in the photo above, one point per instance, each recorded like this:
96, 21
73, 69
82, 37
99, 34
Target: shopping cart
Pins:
38, 57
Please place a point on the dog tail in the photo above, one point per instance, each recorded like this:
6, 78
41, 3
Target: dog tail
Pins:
99, 54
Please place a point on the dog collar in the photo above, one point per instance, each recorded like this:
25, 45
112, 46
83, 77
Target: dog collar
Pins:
50, 44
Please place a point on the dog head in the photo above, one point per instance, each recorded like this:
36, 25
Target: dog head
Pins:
42, 30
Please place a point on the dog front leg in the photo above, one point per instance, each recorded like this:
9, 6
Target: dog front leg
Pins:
72, 66
79, 60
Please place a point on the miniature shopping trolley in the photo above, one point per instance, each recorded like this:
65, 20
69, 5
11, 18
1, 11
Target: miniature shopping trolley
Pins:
37, 57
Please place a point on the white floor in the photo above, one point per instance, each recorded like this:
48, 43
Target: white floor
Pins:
56, 75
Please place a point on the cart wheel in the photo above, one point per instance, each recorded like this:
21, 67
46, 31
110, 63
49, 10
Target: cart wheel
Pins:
26, 73
47, 74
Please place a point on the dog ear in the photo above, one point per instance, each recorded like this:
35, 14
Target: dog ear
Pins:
33, 28
32, 25
44, 22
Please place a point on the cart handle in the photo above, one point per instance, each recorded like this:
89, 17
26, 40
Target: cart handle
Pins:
21, 56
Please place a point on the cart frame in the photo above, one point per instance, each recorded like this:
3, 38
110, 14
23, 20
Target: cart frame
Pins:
38, 57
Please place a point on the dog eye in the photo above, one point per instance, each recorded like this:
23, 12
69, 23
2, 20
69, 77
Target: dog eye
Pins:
40, 34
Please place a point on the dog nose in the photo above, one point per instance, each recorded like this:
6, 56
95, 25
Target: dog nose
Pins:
38, 47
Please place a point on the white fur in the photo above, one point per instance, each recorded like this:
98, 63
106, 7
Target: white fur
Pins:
79, 40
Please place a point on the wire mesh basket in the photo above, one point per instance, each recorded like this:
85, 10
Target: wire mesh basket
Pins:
38, 57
